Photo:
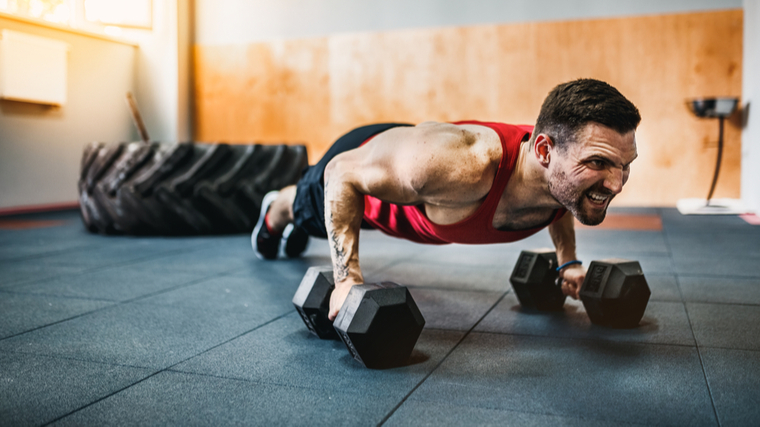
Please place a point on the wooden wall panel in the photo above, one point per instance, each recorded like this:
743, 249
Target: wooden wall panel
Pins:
314, 90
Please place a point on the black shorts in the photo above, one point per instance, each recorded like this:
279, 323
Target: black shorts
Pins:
309, 205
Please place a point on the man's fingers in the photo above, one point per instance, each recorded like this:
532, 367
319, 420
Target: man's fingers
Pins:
570, 289
576, 288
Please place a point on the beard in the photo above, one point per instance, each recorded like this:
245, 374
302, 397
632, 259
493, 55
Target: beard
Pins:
573, 198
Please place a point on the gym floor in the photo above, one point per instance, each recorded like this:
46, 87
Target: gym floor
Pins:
99, 330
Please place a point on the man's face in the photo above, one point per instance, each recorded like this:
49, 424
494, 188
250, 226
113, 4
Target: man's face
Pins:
590, 172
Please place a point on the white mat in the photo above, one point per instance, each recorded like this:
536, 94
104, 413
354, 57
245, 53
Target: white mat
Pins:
716, 207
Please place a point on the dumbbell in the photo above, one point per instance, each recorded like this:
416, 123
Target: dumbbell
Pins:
615, 292
379, 323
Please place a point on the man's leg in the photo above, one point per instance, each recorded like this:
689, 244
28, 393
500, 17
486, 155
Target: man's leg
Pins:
303, 204
281, 210
275, 227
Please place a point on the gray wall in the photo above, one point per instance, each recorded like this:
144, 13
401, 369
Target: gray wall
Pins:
244, 21
751, 95
40, 147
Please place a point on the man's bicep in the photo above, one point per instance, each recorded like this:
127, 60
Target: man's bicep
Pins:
409, 164
367, 173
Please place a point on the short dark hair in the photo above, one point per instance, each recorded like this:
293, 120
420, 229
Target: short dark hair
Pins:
570, 106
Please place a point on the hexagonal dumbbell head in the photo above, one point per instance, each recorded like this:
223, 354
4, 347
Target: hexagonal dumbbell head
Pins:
534, 280
380, 324
615, 293
312, 301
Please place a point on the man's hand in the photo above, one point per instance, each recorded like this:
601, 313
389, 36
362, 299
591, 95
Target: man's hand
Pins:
572, 279
339, 295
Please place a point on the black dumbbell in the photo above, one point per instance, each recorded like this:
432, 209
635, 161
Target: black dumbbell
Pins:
534, 280
614, 293
312, 301
379, 323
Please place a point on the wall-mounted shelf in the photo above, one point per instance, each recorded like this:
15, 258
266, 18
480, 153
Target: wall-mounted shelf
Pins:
32, 68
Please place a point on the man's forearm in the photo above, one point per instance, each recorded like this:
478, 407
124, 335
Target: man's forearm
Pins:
563, 236
344, 208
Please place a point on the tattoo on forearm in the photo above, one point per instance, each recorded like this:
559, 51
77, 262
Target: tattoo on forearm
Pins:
340, 264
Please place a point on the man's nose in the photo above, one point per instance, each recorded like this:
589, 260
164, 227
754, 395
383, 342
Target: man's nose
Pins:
614, 180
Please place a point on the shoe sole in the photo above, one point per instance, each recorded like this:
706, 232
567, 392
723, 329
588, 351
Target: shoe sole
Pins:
284, 243
268, 199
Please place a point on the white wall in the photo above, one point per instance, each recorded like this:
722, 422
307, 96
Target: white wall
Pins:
41, 147
751, 94
245, 21
163, 70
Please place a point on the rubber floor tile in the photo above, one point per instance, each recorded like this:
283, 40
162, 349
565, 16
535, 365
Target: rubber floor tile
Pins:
422, 414
195, 263
284, 352
38, 389
616, 382
230, 295
736, 266
281, 271
454, 310
715, 244
24, 250
449, 276
27, 271
171, 398
376, 250
664, 287
657, 264
486, 256
139, 334
672, 219
319, 247
114, 254
663, 323
540, 239
113, 284
376, 244
42, 238
20, 312
725, 325
734, 376
727, 290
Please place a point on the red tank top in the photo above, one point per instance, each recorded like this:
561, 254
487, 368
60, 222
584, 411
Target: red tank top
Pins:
410, 222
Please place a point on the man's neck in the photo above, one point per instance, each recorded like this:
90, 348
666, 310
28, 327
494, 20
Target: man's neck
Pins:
528, 187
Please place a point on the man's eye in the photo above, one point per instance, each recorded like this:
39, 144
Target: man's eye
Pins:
597, 164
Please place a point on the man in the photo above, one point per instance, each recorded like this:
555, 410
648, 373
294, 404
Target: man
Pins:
464, 182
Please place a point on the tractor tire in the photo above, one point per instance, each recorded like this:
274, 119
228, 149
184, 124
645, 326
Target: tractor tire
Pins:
181, 189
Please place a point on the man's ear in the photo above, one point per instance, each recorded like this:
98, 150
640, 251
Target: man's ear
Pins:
542, 149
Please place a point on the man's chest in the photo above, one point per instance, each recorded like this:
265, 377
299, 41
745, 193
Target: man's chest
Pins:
506, 219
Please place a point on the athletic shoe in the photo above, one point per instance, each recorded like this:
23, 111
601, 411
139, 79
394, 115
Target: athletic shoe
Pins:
265, 245
294, 241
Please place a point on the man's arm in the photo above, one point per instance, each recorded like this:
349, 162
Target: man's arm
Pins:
344, 208
563, 236
428, 164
